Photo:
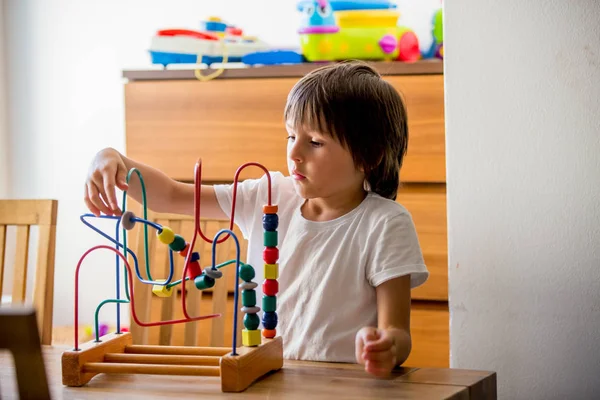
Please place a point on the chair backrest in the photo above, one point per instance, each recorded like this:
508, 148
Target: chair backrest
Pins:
23, 214
218, 299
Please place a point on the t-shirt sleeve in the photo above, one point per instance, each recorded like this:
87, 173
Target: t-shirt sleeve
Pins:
396, 252
251, 195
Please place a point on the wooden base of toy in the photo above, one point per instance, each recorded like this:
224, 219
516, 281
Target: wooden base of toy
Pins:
117, 354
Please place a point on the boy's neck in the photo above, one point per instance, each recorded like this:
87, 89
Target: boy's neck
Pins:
329, 208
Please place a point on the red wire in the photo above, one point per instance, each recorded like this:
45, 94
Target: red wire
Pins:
197, 198
134, 315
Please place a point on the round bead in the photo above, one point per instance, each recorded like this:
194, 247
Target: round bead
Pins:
204, 282
270, 209
248, 285
270, 287
248, 298
247, 272
269, 333
250, 310
269, 320
271, 255
166, 235
251, 321
178, 243
213, 273
127, 221
270, 222
194, 270
269, 303
270, 238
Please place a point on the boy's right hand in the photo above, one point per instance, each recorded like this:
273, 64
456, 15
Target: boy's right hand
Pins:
107, 171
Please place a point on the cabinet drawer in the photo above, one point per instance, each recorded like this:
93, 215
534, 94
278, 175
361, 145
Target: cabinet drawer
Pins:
228, 122
427, 205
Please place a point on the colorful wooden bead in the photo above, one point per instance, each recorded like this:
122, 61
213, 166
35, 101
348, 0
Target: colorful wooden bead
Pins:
194, 270
250, 310
269, 333
195, 256
270, 222
270, 287
271, 271
183, 253
270, 209
162, 290
269, 320
178, 243
127, 220
251, 321
166, 235
248, 298
271, 255
248, 285
204, 282
247, 272
251, 338
213, 273
270, 238
269, 303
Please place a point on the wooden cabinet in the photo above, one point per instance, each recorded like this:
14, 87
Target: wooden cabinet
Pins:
172, 120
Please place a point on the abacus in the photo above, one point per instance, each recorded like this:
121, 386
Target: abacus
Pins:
237, 367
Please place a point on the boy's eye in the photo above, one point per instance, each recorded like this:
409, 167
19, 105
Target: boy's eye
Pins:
291, 138
316, 144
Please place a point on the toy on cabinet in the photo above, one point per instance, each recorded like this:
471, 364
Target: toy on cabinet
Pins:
216, 42
335, 30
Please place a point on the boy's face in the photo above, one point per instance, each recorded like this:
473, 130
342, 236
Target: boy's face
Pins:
320, 166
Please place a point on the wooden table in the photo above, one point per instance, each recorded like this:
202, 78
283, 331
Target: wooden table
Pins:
296, 380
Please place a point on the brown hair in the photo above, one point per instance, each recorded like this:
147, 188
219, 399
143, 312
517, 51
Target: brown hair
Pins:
351, 102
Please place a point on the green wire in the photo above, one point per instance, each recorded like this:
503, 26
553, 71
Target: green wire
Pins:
98, 312
226, 263
145, 210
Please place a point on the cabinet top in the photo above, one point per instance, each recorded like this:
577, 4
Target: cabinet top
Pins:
423, 67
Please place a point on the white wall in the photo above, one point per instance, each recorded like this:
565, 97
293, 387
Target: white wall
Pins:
4, 173
65, 60
523, 166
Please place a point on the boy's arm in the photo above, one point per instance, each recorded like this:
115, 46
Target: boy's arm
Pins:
163, 194
381, 349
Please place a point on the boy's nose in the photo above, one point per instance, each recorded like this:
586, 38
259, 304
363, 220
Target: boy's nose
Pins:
295, 153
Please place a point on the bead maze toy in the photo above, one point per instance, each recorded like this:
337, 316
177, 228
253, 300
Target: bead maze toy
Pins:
237, 367
335, 30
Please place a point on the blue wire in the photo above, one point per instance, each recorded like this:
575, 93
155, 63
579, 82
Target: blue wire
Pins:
237, 277
119, 245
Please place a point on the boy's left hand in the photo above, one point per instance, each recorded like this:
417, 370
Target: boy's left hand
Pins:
376, 350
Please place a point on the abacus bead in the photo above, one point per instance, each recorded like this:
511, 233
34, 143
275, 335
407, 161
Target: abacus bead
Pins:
248, 285
271, 271
269, 303
270, 222
250, 310
251, 321
270, 209
178, 243
270, 287
269, 320
251, 338
213, 273
271, 255
248, 298
270, 238
194, 270
183, 253
204, 282
269, 333
247, 272
166, 235
127, 221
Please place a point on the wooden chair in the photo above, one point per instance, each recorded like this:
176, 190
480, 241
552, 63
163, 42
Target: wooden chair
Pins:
219, 299
23, 214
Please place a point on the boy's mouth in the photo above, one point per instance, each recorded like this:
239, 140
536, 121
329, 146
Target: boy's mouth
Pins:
297, 176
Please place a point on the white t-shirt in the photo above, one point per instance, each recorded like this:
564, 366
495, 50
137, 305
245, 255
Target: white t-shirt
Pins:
328, 271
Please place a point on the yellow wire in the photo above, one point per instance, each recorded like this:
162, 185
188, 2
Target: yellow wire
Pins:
204, 78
